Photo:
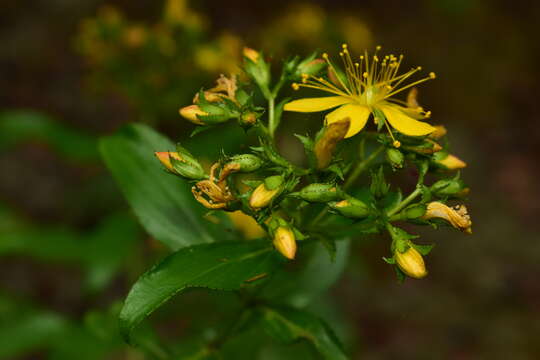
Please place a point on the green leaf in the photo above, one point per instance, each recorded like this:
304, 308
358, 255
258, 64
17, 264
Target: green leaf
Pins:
163, 203
290, 325
23, 125
218, 266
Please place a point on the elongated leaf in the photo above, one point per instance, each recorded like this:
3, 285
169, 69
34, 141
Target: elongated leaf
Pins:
290, 325
23, 125
163, 202
220, 266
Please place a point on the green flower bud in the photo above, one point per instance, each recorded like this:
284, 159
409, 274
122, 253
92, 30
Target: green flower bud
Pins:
257, 68
395, 157
181, 163
414, 211
448, 187
318, 193
351, 208
246, 162
248, 119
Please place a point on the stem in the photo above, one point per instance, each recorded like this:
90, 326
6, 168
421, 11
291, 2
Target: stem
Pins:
405, 202
271, 120
361, 167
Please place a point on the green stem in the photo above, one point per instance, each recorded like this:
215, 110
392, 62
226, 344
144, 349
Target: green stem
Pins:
404, 203
362, 165
271, 120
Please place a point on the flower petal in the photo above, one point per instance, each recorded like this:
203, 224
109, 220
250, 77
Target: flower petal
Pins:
358, 115
404, 123
316, 104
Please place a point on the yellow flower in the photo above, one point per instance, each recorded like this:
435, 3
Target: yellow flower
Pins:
246, 225
457, 216
368, 88
411, 263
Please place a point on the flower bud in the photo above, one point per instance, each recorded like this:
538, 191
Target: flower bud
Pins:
449, 161
318, 193
448, 187
310, 67
181, 163
246, 162
251, 54
208, 96
395, 158
427, 147
327, 140
456, 216
351, 208
266, 192
414, 211
248, 118
411, 263
285, 242
439, 132
192, 113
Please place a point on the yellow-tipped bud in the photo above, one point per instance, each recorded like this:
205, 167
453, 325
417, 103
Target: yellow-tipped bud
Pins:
251, 54
411, 263
191, 113
285, 242
439, 132
262, 196
457, 216
164, 158
452, 162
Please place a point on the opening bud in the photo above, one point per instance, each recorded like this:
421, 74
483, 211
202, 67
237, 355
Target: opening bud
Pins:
285, 242
251, 54
351, 208
181, 163
411, 263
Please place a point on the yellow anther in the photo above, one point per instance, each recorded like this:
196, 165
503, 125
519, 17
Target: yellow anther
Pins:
427, 114
295, 86
365, 74
356, 64
376, 58
344, 46
419, 68
341, 54
378, 47
325, 56
361, 57
432, 75
396, 144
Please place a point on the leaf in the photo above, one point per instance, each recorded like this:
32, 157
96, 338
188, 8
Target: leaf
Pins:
290, 325
23, 125
163, 202
219, 266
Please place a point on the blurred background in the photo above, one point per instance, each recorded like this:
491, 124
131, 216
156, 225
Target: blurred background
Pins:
72, 71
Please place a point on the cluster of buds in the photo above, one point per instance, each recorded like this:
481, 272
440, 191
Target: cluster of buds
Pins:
281, 197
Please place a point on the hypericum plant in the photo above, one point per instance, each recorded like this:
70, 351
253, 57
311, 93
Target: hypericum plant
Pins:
342, 192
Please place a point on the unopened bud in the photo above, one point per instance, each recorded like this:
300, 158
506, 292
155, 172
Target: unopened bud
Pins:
351, 208
183, 164
285, 242
427, 147
192, 113
448, 187
266, 192
246, 162
395, 157
414, 211
327, 141
248, 118
318, 193
411, 263
449, 161
310, 67
439, 132
251, 54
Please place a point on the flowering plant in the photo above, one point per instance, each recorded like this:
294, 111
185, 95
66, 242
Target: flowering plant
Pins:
340, 193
